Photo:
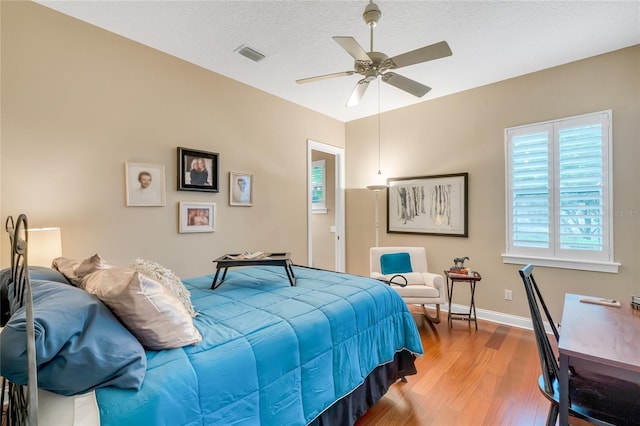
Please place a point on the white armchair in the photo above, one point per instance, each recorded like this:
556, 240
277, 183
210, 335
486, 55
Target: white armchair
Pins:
423, 287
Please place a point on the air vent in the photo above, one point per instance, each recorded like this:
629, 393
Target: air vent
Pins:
249, 52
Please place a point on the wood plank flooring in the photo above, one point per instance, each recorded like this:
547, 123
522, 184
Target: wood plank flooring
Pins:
467, 377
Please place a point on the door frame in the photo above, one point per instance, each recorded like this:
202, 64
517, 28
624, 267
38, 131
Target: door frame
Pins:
339, 201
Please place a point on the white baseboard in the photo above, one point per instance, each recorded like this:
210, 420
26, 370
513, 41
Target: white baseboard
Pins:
498, 317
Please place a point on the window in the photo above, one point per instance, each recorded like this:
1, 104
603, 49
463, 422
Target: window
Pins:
318, 183
559, 193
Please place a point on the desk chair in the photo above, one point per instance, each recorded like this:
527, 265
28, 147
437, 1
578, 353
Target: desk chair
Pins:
409, 265
598, 399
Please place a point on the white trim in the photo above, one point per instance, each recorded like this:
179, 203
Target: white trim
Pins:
583, 265
340, 201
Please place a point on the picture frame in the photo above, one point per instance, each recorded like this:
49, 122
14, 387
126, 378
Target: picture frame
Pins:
196, 217
144, 184
240, 189
431, 205
197, 170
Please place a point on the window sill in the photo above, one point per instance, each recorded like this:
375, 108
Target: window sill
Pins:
610, 267
319, 211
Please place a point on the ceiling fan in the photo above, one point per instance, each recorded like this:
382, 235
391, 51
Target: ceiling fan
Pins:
373, 64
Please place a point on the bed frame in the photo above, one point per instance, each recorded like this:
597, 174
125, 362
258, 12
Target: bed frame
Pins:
21, 405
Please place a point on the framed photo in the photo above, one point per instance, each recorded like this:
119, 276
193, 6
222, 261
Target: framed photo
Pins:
197, 217
240, 189
197, 170
144, 184
434, 205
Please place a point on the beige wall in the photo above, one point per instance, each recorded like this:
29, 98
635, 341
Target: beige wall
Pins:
465, 133
77, 102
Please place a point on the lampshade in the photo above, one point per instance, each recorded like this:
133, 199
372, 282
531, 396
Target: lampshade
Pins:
376, 188
45, 244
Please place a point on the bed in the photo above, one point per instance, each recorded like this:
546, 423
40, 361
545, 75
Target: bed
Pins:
321, 352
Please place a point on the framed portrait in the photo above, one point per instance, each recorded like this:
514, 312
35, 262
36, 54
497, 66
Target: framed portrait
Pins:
434, 205
145, 186
197, 217
240, 189
197, 170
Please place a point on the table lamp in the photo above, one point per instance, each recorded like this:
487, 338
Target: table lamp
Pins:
45, 244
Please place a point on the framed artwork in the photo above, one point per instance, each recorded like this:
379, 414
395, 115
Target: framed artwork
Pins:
240, 189
434, 205
197, 217
144, 183
197, 170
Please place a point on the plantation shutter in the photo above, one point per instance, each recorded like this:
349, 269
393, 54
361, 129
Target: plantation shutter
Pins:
581, 183
559, 193
530, 189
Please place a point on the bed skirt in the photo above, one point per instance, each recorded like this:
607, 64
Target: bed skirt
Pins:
351, 407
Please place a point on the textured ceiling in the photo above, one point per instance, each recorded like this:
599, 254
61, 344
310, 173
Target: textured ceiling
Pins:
490, 40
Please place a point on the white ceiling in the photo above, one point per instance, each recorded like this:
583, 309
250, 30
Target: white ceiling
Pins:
490, 40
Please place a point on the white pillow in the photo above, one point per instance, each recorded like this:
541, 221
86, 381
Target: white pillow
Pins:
167, 278
147, 308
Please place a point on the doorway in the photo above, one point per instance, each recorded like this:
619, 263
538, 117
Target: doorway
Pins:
325, 223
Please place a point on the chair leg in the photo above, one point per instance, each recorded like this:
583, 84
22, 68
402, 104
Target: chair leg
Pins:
432, 318
552, 417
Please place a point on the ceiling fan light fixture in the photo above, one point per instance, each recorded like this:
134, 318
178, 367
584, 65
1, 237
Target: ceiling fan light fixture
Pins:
372, 64
371, 14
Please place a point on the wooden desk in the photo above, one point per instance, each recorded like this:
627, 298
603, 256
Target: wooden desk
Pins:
600, 338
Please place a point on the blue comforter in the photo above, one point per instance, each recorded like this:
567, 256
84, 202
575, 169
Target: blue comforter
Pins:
271, 354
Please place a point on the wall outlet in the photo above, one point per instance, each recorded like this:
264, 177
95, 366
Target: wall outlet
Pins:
508, 295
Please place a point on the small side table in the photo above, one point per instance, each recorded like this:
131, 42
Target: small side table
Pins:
460, 278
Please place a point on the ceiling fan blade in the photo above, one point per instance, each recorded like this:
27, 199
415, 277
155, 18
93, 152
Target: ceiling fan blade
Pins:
325, 76
424, 54
358, 92
406, 84
353, 48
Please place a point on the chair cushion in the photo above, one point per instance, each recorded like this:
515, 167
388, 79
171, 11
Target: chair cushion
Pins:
395, 263
417, 291
413, 278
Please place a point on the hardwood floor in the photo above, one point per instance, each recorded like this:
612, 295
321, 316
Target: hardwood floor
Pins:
467, 377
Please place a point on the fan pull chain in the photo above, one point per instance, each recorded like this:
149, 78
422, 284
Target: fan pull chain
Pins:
379, 144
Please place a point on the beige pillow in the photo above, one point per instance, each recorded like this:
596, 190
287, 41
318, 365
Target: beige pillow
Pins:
67, 267
90, 265
149, 310
167, 278
76, 269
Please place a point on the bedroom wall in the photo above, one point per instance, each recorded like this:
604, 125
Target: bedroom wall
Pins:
465, 133
77, 102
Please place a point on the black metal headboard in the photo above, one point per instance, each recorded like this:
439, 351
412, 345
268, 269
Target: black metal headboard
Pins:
22, 404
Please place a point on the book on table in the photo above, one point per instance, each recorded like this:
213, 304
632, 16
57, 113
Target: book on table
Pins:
247, 255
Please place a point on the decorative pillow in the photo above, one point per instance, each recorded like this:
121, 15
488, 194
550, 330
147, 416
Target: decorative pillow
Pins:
147, 308
167, 278
80, 345
395, 263
76, 269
